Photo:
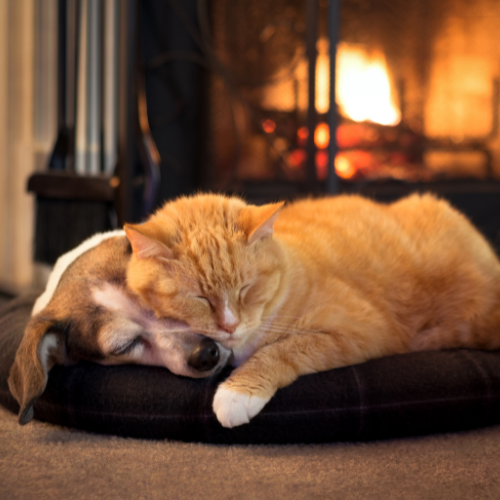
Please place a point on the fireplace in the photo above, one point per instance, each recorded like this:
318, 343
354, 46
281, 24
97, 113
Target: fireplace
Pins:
414, 106
416, 91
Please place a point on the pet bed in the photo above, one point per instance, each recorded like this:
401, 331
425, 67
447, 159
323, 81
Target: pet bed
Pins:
403, 395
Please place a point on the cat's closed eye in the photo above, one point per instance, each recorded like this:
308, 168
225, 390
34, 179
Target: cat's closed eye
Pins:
205, 301
243, 290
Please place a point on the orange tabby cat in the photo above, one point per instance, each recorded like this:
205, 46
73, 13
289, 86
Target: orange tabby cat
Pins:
315, 285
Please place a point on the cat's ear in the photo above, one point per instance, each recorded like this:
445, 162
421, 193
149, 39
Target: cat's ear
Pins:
257, 222
145, 245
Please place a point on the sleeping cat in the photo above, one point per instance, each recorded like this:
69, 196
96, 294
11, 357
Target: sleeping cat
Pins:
315, 285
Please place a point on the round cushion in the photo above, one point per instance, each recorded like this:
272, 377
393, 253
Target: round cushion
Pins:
403, 395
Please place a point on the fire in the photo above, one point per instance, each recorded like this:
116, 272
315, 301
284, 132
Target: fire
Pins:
344, 167
302, 135
322, 102
268, 126
363, 86
321, 162
322, 136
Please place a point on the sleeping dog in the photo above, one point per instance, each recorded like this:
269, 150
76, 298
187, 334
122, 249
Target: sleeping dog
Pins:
88, 313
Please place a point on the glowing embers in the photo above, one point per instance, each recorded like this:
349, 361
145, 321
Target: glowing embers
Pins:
364, 151
322, 136
344, 167
268, 126
371, 140
371, 151
297, 157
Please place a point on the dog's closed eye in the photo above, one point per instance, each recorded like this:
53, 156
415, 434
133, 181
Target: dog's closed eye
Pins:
129, 347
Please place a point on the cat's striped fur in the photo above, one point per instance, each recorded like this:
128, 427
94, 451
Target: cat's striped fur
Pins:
316, 284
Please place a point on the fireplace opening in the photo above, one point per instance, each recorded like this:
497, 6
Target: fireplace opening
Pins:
414, 105
416, 91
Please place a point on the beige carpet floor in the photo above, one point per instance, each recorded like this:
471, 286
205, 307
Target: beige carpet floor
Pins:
42, 461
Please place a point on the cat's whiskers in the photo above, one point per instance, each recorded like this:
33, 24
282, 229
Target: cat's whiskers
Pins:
288, 330
273, 327
286, 327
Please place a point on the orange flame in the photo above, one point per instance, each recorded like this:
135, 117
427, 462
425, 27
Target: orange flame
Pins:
302, 135
268, 126
363, 86
322, 136
321, 161
343, 167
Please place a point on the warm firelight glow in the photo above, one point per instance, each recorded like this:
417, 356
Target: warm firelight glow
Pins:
268, 126
302, 135
363, 86
322, 102
321, 161
297, 158
322, 136
343, 167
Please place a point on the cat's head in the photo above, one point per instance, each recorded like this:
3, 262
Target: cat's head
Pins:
210, 261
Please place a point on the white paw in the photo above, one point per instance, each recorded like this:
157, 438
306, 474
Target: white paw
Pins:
235, 408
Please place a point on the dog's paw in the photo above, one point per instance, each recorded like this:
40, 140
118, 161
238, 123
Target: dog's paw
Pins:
235, 408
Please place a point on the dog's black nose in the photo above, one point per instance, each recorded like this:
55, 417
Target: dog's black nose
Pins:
205, 356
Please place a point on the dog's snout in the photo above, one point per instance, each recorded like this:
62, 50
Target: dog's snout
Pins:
205, 356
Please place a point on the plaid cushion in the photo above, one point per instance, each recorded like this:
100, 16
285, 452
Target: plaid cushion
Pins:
410, 394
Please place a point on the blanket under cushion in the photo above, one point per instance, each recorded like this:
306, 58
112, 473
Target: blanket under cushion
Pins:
404, 395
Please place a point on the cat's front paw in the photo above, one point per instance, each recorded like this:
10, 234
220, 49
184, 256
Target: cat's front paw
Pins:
236, 408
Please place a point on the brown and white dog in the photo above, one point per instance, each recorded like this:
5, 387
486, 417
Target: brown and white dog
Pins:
88, 313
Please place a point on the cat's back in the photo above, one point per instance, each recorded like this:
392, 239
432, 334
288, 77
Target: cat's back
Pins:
327, 211
416, 218
343, 234
334, 220
419, 230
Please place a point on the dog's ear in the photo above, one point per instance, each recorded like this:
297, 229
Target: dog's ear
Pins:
41, 348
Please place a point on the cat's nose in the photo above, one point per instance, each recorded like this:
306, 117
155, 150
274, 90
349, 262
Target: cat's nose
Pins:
227, 320
229, 327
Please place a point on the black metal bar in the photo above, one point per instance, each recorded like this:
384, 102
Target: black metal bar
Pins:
127, 109
402, 99
312, 12
332, 182
150, 157
58, 158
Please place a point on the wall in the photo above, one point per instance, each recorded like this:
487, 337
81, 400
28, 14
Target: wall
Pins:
20, 25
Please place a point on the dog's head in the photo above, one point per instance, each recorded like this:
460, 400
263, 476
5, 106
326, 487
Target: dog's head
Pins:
91, 315
132, 333
107, 337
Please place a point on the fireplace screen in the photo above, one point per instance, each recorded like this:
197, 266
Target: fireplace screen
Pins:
416, 88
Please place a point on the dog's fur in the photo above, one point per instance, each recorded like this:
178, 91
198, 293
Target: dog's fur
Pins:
88, 313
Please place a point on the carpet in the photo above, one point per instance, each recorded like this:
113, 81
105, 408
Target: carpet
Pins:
45, 461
